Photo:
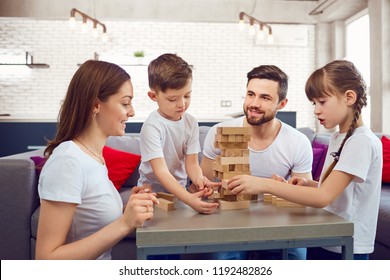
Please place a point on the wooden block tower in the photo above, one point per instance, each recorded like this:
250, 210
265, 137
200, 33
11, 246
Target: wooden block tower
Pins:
234, 160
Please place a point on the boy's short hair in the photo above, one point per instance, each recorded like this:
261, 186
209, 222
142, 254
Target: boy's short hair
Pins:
168, 71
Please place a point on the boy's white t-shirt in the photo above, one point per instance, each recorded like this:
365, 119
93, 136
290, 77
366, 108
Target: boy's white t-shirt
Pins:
171, 140
290, 152
71, 176
359, 202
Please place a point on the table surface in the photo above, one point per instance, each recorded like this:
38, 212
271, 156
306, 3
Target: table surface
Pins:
260, 222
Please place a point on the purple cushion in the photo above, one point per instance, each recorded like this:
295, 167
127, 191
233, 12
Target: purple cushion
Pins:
39, 162
319, 155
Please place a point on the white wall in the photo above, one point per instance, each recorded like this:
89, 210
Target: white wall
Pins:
220, 53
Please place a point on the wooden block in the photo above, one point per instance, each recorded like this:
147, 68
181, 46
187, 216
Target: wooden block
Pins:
221, 138
241, 197
224, 184
230, 205
254, 197
267, 197
280, 202
231, 138
234, 152
239, 130
246, 168
239, 138
233, 145
165, 204
232, 160
228, 175
219, 167
167, 196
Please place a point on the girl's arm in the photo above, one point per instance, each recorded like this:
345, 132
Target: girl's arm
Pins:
55, 220
320, 197
194, 200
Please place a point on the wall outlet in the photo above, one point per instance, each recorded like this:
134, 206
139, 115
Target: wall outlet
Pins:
226, 103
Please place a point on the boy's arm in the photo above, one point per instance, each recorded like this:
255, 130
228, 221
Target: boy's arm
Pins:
165, 177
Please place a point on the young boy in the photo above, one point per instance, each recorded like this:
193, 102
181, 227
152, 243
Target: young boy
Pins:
169, 138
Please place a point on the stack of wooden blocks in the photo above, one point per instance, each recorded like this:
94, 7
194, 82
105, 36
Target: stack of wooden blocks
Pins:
234, 160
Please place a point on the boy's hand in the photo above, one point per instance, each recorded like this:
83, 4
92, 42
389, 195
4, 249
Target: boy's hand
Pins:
204, 183
202, 206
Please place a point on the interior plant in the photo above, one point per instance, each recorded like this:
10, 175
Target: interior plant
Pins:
139, 54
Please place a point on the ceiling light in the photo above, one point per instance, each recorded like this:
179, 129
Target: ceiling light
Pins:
260, 34
86, 19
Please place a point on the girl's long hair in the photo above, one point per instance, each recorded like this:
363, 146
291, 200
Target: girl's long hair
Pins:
336, 78
94, 80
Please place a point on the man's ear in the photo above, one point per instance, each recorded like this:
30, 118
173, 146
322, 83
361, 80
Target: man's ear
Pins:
282, 104
350, 97
152, 95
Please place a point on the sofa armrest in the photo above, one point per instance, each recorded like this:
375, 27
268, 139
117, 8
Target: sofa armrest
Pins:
19, 199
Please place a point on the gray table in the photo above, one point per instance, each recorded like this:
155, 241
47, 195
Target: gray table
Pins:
261, 227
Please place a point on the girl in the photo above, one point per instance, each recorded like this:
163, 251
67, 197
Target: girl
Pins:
350, 186
81, 211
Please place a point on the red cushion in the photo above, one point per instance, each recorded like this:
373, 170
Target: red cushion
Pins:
386, 159
120, 165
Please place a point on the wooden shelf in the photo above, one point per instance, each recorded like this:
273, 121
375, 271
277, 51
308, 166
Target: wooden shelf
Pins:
32, 65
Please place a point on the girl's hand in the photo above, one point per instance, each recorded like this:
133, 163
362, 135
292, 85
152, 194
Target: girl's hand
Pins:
245, 184
139, 208
298, 181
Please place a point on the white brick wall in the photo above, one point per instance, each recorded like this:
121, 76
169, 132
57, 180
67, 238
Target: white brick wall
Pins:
220, 53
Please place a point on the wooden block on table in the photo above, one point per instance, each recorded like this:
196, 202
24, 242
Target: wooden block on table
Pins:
254, 197
165, 204
267, 197
280, 202
167, 196
230, 205
241, 197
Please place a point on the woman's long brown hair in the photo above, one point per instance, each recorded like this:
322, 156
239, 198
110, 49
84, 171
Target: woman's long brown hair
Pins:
336, 78
94, 80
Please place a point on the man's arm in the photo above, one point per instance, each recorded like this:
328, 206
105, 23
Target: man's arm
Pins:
207, 168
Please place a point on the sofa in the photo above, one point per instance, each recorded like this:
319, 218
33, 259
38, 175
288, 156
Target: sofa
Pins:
19, 201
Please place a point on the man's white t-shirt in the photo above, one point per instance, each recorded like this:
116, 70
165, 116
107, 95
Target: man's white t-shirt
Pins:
290, 152
361, 156
71, 176
171, 140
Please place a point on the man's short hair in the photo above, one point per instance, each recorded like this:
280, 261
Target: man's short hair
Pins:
273, 73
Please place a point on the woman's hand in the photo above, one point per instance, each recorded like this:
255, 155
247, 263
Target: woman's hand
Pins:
139, 208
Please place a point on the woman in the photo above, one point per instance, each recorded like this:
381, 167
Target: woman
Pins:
81, 211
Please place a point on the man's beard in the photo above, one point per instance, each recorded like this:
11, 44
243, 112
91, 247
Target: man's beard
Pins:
258, 121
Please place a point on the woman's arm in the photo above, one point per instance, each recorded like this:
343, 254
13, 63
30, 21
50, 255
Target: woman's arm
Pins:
55, 220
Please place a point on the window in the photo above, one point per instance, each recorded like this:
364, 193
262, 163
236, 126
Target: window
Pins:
358, 51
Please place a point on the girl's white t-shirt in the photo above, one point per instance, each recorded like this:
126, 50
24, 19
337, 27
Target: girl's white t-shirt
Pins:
359, 202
